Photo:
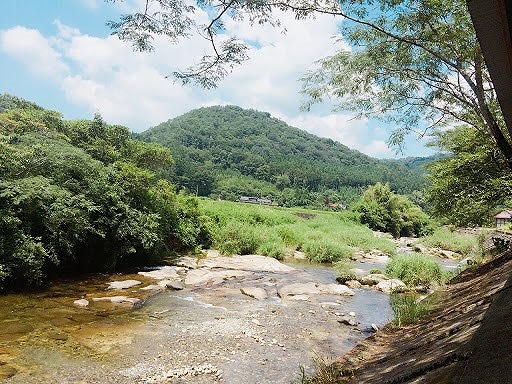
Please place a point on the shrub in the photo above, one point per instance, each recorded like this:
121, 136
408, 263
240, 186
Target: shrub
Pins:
238, 238
273, 249
444, 238
415, 269
325, 251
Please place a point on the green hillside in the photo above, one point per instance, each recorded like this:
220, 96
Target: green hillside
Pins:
228, 151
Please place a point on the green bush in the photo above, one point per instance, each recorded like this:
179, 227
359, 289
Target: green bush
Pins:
273, 249
415, 269
326, 251
464, 243
238, 238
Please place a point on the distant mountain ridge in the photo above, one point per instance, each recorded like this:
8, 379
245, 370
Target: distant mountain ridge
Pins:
215, 146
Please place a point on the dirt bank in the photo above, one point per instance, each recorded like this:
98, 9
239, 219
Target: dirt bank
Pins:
467, 339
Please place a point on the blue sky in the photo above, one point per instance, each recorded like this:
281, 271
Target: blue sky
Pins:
60, 54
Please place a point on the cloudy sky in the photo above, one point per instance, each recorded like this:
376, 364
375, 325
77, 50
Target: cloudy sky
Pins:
60, 54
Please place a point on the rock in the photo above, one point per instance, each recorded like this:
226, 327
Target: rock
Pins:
329, 304
372, 279
161, 273
392, 285
81, 302
314, 289
186, 262
133, 301
256, 321
300, 298
204, 276
352, 314
346, 320
353, 284
374, 328
254, 292
358, 272
299, 255
124, 284
174, 285
152, 287
256, 263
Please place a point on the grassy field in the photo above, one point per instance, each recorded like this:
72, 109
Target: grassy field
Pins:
240, 228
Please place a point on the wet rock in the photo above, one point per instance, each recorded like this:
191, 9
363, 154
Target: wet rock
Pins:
161, 273
372, 279
255, 263
347, 320
204, 276
133, 301
392, 285
254, 292
81, 302
314, 289
123, 284
353, 284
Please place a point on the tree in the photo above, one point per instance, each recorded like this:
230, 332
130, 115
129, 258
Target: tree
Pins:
470, 184
386, 211
412, 61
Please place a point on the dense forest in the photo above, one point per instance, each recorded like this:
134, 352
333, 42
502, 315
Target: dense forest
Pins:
226, 152
82, 195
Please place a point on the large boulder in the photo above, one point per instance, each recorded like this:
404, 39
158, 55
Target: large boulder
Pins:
255, 263
392, 285
372, 279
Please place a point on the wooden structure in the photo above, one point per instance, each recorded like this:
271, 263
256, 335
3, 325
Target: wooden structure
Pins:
503, 217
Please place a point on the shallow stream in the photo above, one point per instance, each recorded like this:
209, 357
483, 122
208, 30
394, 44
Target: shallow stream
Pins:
197, 335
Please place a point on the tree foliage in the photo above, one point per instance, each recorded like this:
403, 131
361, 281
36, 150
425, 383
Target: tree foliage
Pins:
472, 182
383, 210
81, 196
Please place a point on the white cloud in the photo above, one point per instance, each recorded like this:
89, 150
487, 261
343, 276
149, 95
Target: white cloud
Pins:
104, 75
34, 51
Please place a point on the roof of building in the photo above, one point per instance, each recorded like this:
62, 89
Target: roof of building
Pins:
505, 214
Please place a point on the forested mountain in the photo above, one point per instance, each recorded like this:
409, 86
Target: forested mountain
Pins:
229, 151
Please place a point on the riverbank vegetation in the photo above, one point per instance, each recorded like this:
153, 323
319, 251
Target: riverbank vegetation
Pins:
78, 196
279, 232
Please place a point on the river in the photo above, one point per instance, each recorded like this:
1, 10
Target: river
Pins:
195, 335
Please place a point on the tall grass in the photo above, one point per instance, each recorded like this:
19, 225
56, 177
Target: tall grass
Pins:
277, 232
445, 238
409, 308
415, 269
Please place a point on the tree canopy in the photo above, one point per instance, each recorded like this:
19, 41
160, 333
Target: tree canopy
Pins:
80, 196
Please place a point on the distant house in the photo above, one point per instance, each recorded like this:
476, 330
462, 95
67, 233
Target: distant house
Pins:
503, 217
254, 200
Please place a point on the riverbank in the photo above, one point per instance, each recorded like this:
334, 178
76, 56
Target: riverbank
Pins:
465, 340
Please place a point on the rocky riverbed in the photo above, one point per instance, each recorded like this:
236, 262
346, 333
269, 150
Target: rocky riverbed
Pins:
242, 319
